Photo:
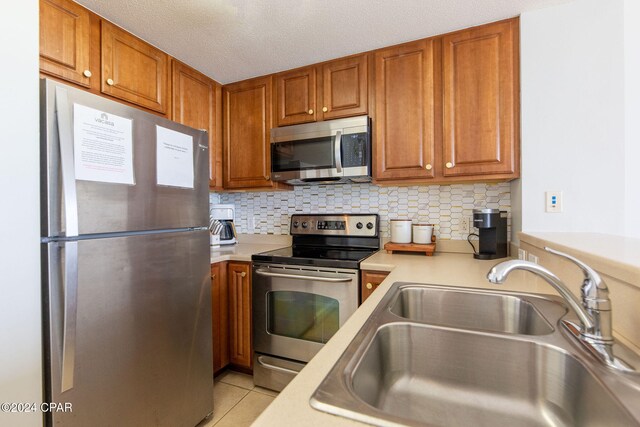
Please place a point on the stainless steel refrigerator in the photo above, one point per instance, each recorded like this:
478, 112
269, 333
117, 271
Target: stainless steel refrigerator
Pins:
125, 257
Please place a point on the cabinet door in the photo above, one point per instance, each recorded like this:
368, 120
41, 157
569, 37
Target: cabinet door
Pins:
405, 116
64, 41
296, 96
239, 278
133, 70
480, 100
220, 315
247, 126
194, 103
344, 88
370, 282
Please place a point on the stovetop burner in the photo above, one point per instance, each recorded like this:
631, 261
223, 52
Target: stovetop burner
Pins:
328, 240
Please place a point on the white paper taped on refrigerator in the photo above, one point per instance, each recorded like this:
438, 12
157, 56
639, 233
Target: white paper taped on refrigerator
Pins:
103, 146
174, 158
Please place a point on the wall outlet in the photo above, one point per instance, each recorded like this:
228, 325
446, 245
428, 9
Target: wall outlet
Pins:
522, 254
464, 225
553, 201
532, 258
251, 224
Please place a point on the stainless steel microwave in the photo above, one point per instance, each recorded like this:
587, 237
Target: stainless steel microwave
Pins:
330, 152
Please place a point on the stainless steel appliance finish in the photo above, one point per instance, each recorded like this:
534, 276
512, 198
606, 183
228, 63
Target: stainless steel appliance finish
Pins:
328, 152
126, 288
303, 294
401, 372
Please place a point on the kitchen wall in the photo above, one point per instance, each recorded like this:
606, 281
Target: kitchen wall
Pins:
632, 115
573, 118
443, 205
20, 317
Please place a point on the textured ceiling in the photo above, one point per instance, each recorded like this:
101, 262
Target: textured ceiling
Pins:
231, 40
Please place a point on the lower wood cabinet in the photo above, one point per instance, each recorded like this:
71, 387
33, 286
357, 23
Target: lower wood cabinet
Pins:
240, 345
369, 282
220, 315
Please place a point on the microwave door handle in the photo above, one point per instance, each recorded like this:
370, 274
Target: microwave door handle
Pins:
337, 147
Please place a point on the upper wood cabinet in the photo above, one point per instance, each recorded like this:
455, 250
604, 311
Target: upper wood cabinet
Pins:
405, 111
241, 350
345, 88
133, 70
296, 96
65, 41
321, 92
196, 102
247, 123
481, 103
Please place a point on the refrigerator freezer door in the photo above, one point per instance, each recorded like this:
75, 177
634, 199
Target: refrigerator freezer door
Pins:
142, 354
107, 207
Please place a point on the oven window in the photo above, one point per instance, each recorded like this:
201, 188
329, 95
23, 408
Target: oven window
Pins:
302, 315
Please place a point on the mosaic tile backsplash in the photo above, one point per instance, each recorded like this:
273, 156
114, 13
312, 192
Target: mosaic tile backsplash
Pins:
442, 205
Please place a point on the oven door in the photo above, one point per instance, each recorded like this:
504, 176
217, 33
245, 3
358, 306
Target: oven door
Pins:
298, 309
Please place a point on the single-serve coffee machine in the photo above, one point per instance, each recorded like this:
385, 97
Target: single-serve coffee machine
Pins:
222, 217
492, 226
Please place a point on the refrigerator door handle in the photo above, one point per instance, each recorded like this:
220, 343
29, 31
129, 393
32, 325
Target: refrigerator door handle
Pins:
70, 291
65, 135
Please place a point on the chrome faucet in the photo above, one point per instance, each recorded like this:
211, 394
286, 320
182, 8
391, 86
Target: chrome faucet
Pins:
594, 311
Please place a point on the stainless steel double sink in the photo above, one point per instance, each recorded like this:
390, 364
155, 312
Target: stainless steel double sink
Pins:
446, 356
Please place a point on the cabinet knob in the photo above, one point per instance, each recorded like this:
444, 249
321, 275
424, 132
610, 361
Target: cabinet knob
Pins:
369, 286
213, 276
86, 73
110, 82
243, 274
310, 111
449, 165
267, 177
428, 166
325, 109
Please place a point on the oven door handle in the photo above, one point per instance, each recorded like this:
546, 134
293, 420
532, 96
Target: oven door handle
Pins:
303, 277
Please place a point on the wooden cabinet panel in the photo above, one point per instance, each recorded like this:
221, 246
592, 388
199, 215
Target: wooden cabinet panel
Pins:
296, 96
480, 100
239, 279
220, 315
370, 280
196, 103
344, 88
133, 70
65, 41
405, 103
246, 127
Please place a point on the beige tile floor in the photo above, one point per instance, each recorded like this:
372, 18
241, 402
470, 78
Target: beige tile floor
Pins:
236, 401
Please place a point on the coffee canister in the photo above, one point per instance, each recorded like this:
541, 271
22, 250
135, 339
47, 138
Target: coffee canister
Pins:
422, 233
400, 231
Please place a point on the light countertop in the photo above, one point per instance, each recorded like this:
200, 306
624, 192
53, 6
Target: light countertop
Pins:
248, 245
292, 407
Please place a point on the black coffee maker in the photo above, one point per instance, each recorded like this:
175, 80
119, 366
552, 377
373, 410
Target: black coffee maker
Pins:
492, 226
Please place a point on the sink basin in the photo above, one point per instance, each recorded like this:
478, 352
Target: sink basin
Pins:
445, 356
470, 310
421, 374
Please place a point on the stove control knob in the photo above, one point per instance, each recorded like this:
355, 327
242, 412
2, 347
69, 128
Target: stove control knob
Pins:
304, 224
295, 224
359, 225
369, 225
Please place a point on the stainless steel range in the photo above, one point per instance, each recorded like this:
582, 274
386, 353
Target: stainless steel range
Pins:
302, 294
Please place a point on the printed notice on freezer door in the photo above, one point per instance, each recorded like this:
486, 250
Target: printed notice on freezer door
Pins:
102, 146
174, 158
